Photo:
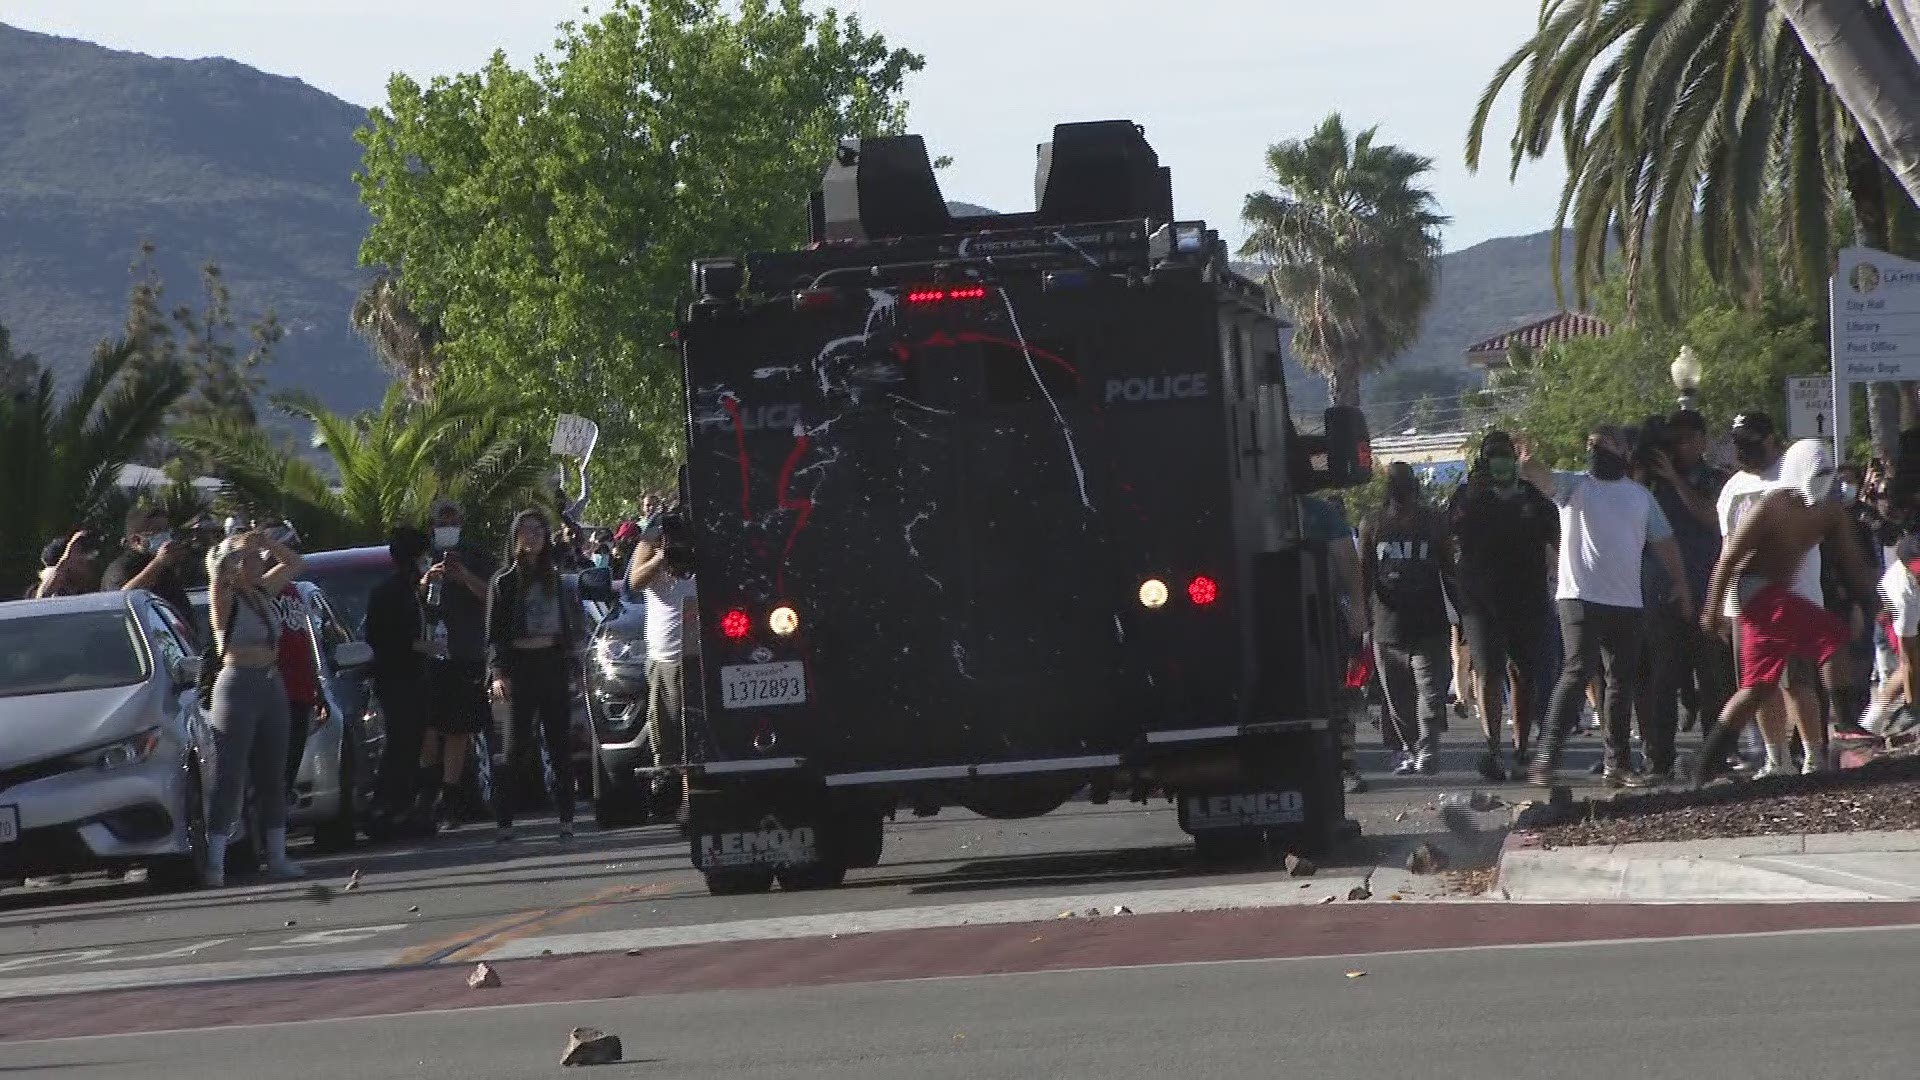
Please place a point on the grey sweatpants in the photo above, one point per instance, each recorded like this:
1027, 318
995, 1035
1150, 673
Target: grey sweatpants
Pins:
250, 725
1415, 677
666, 711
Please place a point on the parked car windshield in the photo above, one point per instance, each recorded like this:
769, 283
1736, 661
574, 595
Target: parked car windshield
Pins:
81, 650
347, 589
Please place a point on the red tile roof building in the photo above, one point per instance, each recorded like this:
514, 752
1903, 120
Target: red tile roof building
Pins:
1560, 326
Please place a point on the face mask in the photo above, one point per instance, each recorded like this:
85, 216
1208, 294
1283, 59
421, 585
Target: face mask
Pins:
157, 541
603, 562
1604, 464
1503, 472
446, 536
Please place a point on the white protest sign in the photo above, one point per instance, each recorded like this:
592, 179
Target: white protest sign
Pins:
575, 436
1810, 408
1874, 302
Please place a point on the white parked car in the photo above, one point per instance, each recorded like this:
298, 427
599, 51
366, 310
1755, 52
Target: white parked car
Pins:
106, 761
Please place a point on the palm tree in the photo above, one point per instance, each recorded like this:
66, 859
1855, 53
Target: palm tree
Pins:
392, 462
1351, 244
406, 344
1692, 123
63, 456
1877, 75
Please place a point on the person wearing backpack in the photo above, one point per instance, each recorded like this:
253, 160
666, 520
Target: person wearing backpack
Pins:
1406, 561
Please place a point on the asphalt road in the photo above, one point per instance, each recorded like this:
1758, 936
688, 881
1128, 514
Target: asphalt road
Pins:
1788, 1006
461, 896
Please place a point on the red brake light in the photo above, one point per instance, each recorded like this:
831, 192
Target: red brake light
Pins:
1203, 590
736, 624
941, 296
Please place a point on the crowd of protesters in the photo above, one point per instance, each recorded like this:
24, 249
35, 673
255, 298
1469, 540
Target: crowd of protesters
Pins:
454, 630
1660, 591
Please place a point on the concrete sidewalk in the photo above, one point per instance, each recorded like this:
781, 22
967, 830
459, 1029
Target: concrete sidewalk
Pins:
1819, 866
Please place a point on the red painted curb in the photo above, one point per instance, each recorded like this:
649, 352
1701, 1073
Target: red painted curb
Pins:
1125, 941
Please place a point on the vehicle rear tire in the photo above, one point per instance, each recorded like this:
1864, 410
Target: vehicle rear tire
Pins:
342, 831
183, 873
738, 882
811, 877
1230, 847
862, 836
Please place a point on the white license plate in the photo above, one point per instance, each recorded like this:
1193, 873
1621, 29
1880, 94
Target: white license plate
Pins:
9, 824
755, 686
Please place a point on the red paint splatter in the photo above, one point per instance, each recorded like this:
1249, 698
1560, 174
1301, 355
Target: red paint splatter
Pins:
732, 405
803, 509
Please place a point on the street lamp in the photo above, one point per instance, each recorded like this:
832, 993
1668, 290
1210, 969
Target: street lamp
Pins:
1685, 372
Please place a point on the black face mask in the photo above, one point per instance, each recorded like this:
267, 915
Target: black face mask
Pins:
1604, 464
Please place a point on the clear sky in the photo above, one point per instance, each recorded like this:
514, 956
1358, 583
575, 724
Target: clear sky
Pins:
1213, 81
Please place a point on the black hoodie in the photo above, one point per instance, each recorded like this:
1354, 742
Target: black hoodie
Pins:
505, 614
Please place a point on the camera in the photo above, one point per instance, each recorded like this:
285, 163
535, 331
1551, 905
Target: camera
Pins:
676, 539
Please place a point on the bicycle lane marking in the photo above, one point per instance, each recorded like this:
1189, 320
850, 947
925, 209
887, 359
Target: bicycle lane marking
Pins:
475, 942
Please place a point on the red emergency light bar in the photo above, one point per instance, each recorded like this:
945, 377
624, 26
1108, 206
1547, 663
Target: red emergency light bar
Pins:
942, 296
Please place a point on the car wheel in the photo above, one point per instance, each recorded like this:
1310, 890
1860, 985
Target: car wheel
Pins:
180, 873
340, 832
616, 805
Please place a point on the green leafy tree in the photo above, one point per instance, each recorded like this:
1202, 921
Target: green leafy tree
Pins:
1351, 243
544, 220
63, 454
392, 463
1748, 351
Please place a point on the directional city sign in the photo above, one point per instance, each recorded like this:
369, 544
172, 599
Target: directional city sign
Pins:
1875, 308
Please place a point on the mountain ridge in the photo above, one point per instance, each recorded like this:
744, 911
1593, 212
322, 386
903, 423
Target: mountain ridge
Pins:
212, 160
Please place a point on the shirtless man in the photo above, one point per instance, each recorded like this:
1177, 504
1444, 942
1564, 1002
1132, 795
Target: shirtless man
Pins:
1777, 625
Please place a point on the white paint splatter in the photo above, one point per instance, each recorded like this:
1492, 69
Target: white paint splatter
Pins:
1066, 431
1077, 250
775, 372
1119, 631
917, 519
960, 660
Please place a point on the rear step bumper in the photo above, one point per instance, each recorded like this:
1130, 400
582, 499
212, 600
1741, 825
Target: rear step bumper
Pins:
1154, 741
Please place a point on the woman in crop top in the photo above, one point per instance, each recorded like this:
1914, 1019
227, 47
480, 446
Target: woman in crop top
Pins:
249, 717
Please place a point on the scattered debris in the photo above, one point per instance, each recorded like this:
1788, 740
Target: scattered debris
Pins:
546, 952
1359, 892
319, 893
1092, 913
1426, 859
1356, 974
1306, 884
591, 1046
1067, 915
1300, 866
414, 909
1122, 909
483, 978
1401, 816
353, 882
643, 952
1395, 896
1483, 802
1326, 899
291, 924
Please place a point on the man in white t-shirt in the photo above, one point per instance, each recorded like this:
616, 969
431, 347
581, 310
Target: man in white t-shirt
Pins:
1607, 524
668, 598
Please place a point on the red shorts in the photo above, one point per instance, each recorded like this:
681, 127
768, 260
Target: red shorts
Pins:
1777, 625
